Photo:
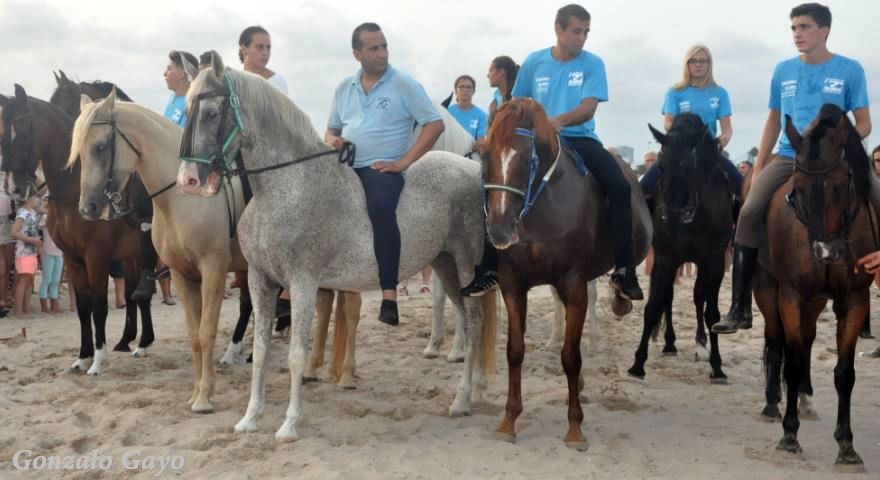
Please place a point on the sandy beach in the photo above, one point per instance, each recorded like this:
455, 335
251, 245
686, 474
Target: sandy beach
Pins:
674, 424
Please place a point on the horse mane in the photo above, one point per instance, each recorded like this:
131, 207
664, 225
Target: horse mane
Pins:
80, 129
106, 87
521, 112
828, 120
688, 126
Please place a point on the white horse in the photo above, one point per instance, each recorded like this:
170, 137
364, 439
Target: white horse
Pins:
288, 240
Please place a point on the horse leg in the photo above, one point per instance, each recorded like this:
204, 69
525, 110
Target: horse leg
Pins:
793, 372
98, 299
457, 352
129, 331
766, 294
845, 375
710, 274
576, 298
595, 333
302, 309
517, 302
245, 308
84, 312
352, 314
213, 287
805, 390
662, 279
191, 299
323, 307
669, 349
557, 330
702, 294
438, 328
264, 292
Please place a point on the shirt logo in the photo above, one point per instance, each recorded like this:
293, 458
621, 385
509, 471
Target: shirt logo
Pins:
474, 123
383, 103
542, 84
575, 79
684, 106
714, 102
833, 85
789, 88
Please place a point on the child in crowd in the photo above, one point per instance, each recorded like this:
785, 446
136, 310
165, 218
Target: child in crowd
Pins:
26, 231
52, 263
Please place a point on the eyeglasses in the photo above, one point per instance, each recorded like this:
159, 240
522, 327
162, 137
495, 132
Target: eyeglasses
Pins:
699, 61
464, 87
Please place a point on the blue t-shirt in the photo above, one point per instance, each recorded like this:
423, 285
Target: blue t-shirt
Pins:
711, 103
560, 87
176, 109
799, 90
474, 120
380, 124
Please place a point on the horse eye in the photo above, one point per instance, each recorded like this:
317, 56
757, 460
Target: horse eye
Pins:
100, 147
211, 115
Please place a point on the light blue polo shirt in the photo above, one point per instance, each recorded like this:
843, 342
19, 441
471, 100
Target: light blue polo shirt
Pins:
474, 120
560, 87
799, 89
176, 109
711, 103
380, 124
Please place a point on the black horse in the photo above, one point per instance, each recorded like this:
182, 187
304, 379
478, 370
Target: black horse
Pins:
693, 222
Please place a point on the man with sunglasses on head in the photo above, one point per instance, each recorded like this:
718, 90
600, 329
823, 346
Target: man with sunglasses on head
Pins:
569, 83
798, 89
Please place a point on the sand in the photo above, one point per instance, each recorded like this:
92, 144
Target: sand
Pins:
674, 424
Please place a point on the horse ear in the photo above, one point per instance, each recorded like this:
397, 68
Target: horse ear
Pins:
84, 100
64, 76
217, 64
793, 136
57, 78
3, 100
659, 136
842, 131
192, 71
110, 101
20, 94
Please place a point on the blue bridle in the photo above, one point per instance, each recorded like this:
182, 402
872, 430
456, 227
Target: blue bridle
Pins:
529, 195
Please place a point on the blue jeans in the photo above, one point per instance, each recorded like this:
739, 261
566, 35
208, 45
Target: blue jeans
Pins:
52, 265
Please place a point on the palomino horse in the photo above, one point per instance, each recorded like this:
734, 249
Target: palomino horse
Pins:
284, 231
547, 220
693, 215
819, 223
36, 132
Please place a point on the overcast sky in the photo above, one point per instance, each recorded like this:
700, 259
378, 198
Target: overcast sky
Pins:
641, 42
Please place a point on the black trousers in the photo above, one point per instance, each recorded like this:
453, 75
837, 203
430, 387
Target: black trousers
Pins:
383, 192
618, 192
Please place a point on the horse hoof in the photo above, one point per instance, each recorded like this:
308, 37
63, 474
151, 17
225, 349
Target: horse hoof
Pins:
848, 457
455, 357
139, 352
81, 364
789, 444
505, 437
246, 425
719, 380
621, 306
348, 386
309, 379
430, 353
808, 414
579, 445
202, 409
771, 413
672, 353
636, 373
121, 347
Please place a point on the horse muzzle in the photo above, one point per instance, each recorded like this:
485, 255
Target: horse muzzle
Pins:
92, 211
503, 234
828, 252
192, 179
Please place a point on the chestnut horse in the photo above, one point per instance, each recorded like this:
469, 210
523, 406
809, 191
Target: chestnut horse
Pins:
36, 132
549, 223
818, 224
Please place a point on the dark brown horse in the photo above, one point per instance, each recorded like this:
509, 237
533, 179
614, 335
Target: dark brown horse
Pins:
35, 133
693, 215
550, 224
819, 223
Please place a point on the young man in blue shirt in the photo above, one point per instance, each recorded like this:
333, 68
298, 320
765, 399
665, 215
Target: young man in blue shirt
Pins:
375, 109
799, 88
569, 83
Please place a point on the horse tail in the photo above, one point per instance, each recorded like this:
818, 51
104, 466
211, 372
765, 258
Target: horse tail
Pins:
664, 319
489, 333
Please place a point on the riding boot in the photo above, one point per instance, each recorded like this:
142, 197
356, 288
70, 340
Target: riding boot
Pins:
625, 281
388, 313
146, 286
485, 274
739, 317
866, 327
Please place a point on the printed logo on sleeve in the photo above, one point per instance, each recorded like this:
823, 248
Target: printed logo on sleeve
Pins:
789, 88
714, 102
833, 85
542, 84
575, 79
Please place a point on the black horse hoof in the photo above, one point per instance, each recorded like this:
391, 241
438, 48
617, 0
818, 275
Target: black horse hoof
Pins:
636, 372
848, 456
122, 347
250, 359
771, 413
718, 379
789, 444
670, 352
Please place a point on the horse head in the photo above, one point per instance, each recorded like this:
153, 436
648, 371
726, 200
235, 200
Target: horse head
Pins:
830, 181
211, 138
521, 144
688, 156
19, 143
67, 95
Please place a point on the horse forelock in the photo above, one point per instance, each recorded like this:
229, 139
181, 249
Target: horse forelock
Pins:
80, 131
521, 113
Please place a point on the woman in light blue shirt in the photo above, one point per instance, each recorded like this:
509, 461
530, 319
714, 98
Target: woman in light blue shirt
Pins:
471, 117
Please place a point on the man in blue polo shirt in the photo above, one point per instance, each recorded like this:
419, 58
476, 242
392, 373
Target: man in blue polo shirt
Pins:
375, 109
569, 83
799, 88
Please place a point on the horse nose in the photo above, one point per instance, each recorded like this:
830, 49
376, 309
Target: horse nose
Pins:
89, 211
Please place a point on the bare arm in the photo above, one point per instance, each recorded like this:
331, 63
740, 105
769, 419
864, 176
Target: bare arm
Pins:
16, 234
583, 113
772, 128
430, 133
863, 122
667, 121
726, 132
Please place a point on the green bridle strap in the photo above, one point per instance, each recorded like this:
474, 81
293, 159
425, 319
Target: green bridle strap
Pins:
238, 127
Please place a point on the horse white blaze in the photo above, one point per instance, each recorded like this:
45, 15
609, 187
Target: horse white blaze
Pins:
506, 158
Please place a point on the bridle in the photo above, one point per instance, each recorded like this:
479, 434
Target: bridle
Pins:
530, 194
688, 212
28, 160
